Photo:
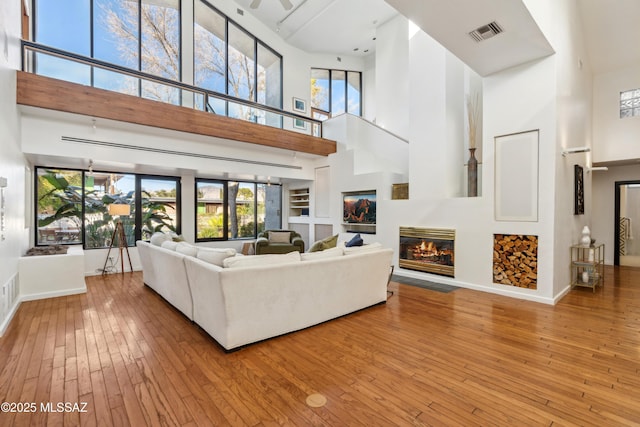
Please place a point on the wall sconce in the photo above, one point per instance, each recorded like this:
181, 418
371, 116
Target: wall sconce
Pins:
575, 150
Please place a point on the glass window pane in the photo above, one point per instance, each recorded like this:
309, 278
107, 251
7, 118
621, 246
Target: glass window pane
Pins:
241, 210
161, 47
116, 82
269, 77
64, 24
320, 89
353, 93
59, 206
269, 207
58, 68
210, 210
109, 197
338, 92
116, 33
159, 205
241, 64
209, 48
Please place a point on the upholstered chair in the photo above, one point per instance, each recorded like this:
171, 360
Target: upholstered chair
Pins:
279, 242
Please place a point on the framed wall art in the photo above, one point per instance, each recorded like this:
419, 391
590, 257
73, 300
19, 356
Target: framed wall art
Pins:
299, 105
578, 189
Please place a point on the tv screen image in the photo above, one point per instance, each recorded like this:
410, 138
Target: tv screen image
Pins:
359, 208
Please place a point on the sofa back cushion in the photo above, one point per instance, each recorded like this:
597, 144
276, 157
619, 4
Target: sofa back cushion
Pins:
327, 253
261, 260
169, 244
158, 238
364, 248
215, 255
186, 249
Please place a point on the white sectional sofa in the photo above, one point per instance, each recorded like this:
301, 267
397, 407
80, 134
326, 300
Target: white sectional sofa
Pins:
264, 296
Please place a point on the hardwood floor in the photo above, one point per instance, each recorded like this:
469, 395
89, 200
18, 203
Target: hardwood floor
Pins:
425, 358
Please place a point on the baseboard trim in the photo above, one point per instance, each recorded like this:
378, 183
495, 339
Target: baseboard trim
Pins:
7, 320
44, 295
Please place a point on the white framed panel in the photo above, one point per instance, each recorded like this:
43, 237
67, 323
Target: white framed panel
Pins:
516, 177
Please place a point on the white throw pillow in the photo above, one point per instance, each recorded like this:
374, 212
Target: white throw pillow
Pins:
158, 238
327, 253
186, 249
279, 236
363, 248
215, 255
261, 260
169, 244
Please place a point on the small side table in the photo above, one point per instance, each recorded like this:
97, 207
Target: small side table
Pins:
249, 247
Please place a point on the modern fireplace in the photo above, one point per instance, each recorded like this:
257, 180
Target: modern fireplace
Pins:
430, 250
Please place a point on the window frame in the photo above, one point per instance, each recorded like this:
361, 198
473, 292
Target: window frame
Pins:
346, 91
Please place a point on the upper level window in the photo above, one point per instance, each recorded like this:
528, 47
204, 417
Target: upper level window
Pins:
142, 35
334, 92
230, 60
630, 103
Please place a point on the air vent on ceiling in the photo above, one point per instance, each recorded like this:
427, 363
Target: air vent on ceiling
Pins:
486, 31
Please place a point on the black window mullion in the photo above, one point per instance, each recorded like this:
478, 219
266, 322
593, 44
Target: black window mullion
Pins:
140, 46
91, 48
225, 211
83, 210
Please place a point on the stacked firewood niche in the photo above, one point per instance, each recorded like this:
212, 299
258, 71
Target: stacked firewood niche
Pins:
515, 260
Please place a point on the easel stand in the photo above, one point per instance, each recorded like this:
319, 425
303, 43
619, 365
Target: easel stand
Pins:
122, 245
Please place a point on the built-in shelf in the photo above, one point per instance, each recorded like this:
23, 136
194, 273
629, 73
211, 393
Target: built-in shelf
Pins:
299, 202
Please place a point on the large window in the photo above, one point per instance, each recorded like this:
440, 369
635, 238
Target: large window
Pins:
75, 207
334, 92
236, 210
142, 35
229, 60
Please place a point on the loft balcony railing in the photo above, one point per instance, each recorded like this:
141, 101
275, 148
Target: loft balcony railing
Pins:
80, 69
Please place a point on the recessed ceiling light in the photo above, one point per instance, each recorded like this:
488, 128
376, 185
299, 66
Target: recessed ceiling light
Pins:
366, 50
356, 49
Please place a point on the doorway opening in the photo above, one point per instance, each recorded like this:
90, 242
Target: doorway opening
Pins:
627, 224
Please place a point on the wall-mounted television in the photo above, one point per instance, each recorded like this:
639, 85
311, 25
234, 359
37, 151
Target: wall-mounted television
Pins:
359, 207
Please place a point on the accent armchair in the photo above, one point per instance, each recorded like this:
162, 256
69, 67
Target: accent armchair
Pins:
279, 242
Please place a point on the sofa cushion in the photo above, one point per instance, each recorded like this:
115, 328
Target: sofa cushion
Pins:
355, 241
279, 236
261, 260
158, 238
186, 249
326, 243
328, 253
169, 244
363, 248
215, 255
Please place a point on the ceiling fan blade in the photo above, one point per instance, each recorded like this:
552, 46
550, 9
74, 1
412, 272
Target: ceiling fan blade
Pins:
286, 4
255, 4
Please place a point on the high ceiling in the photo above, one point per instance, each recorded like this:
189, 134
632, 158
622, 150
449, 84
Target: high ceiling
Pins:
341, 26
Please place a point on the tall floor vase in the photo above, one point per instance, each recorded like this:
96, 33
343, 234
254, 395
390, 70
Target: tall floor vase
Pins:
472, 174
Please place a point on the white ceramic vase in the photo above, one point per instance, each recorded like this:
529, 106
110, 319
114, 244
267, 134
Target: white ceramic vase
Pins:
586, 237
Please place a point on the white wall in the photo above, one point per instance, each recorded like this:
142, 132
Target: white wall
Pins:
614, 138
391, 75
573, 114
12, 163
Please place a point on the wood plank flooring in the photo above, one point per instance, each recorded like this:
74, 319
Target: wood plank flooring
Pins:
425, 358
